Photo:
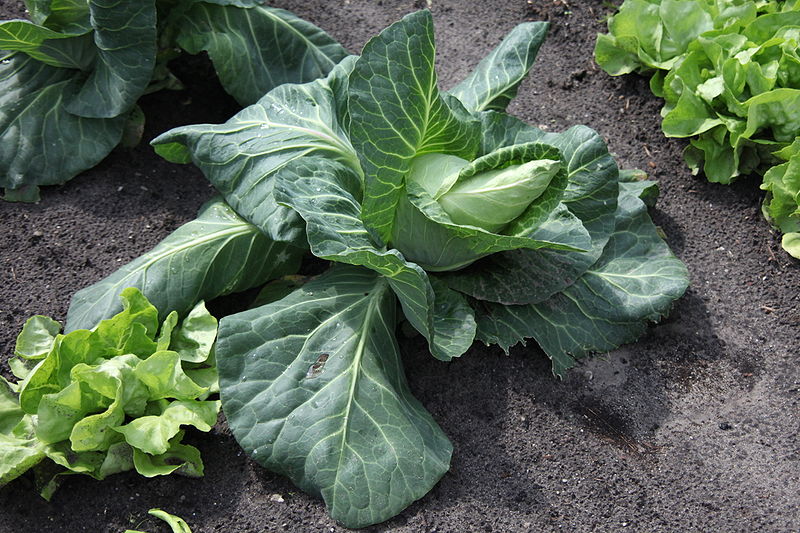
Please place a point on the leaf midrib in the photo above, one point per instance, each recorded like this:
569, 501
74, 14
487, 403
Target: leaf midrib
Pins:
374, 296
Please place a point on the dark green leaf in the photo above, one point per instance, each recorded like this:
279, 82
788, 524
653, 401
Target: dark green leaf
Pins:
313, 388
397, 113
48, 46
41, 143
216, 254
257, 49
634, 282
278, 289
67, 16
494, 82
325, 194
454, 323
241, 156
125, 36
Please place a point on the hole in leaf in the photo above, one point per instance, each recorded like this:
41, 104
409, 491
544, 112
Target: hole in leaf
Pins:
316, 369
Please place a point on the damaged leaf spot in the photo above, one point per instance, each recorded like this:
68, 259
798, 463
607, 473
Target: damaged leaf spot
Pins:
316, 369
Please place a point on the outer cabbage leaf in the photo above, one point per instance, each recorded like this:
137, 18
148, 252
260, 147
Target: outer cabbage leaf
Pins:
67, 16
494, 82
397, 113
53, 48
125, 36
313, 388
241, 156
92, 59
634, 282
216, 254
34, 124
325, 194
791, 243
237, 3
257, 49
454, 324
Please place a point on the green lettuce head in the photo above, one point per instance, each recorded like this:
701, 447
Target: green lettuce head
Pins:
110, 399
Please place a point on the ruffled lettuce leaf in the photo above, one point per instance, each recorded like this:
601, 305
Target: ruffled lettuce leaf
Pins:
729, 73
654, 34
110, 399
782, 204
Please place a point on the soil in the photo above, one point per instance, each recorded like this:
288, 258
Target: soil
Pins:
694, 428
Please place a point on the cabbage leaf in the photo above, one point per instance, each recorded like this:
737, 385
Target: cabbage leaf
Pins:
77, 70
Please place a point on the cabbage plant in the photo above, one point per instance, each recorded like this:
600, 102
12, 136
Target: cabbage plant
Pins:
433, 207
77, 69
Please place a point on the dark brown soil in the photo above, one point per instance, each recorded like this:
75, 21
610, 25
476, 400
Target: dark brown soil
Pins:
694, 428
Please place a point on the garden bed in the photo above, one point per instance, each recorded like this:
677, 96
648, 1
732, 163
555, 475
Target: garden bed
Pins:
694, 428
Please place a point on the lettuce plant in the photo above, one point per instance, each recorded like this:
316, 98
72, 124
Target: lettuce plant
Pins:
76, 71
728, 72
110, 399
782, 204
433, 206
